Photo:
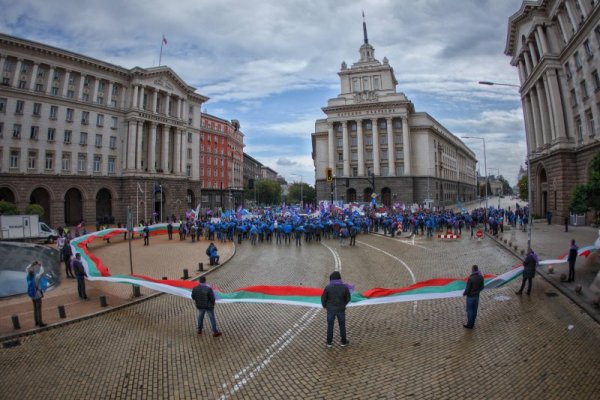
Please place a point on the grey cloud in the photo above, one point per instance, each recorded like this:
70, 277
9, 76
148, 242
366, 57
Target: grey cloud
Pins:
286, 162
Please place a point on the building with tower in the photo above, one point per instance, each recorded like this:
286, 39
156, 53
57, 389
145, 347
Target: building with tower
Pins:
374, 142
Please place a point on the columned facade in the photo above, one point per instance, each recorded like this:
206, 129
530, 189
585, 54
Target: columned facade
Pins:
555, 45
372, 136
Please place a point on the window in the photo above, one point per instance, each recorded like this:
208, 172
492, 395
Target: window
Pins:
368, 140
115, 123
17, 131
5, 81
384, 155
573, 98
51, 134
100, 120
33, 135
85, 117
101, 86
115, 90
340, 142
1, 130
399, 155
112, 142
81, 162
97, 163
85, 97
83, 138
31, 160
189, 135
37, 109
368, 155
354, 156
382, 139
66, 162
3, 105
353, 127
70, 94
53, 112
568, 70
70, 113
188, 170
86, 81
375, 82
100, 100
49, 164
39, 87
591, 124
54, 91
98, 141
67, 137
579, 130
340, 156
22, 84
588, 48
354, 141
584, 91
577, 58
368, 125
398, 139
596, 79
189, 154
597, 32
14, 159
111, 165
366, 83
20, 107
383, 124
355, 85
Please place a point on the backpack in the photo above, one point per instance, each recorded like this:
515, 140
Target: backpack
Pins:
31, 289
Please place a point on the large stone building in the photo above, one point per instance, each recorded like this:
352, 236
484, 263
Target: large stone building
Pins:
221, 162
374, 140
556, 46
85, 138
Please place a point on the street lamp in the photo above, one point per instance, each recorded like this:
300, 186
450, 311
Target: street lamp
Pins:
497, 84
487, 179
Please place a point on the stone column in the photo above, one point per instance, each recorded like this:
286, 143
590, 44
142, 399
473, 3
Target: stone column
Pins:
391, 148
583, 6
572, 14
179, 107
2, 61
534, 57
154, 100
360, 145
17, 74
528, 65
165, 149
537, 121
522, 73
376, 162
49, 81
34, 76
542, 39
80, 91
346, 148
167, 104
177, 153
95, 92
560, 131
563, 26
184, 110
551, 133
138, 152
529, 125
406, 145
134, 98
65, 88
152, 147
141, 98
111, 85
131, 145
543, 104
331, 148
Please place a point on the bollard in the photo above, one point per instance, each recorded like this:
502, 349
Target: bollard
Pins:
185, 274
136, 291
61, 312
164, 278
200, 266
103, 301
15, 322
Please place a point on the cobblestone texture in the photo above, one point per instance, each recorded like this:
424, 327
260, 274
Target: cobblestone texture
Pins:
520, 347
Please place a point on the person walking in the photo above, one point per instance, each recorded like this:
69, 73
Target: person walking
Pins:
80, 274
566, 223
170, 230
529, 266
571, 259
474, 287
67, 254
334, 299
35, 290
146, 233
204, 297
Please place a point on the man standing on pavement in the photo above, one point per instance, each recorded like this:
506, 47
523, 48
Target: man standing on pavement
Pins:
146, 233
35, 290
571, 259
474, 287
334, 299
529, 266
204, 297
80, 274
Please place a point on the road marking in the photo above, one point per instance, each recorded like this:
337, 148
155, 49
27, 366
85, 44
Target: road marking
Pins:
409, 242
336, 257
412, 275
246, 374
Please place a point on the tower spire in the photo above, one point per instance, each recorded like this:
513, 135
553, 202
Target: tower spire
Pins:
365, 28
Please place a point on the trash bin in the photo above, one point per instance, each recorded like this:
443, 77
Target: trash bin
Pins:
577, 219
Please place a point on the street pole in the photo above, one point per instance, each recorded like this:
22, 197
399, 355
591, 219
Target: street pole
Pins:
161, 201
301, 193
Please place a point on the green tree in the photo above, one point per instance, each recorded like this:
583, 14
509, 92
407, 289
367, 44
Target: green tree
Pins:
34, 209
579, 200
307, 192
593, 186
8, 208
506, 189
523, 188
268, 192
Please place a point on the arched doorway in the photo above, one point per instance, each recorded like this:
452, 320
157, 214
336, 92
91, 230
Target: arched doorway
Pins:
159, 203
42, 197
543, 190
367, 195
104, 207
386, 196
73, 207
191, 201
7, 195
351, 195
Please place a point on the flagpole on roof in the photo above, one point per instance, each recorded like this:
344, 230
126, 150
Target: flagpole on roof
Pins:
162, 42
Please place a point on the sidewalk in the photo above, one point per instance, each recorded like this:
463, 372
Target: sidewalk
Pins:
551, 242
163, 258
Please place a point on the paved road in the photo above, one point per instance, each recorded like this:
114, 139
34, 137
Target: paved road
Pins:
521, 346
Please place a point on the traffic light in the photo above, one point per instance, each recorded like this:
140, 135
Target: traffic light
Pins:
329, 174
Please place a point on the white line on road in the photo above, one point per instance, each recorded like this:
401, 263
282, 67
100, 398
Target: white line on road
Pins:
336, 257
410, 242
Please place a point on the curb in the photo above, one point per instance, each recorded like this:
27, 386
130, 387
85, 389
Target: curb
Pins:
136, 301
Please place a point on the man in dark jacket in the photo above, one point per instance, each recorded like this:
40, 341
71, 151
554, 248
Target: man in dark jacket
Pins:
573, 250
474, 287
80, 274
204, 297
334, 299
529, 265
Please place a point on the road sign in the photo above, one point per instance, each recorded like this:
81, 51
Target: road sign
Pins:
479, 233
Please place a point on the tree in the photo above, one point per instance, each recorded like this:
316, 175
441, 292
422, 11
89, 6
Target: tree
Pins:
579, 200
8, 208
506, 189
34, 209
523, 188
307, 192
268, 192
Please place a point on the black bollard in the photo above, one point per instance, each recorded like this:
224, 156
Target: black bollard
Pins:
200, 266
185, 274
103, 302
61, 312
136, 291
164, 278
15, 322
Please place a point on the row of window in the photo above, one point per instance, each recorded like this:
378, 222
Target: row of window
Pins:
385, 171
215, 126
383, 155
368, 83
82, 165
584, 90
368, 140
210, 172
590, 123
67, 136
382, 124
589, 53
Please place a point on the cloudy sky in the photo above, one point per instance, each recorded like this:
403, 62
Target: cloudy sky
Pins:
272, 64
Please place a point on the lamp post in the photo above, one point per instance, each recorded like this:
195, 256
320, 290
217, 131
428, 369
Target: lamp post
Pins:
487, 179
497, 84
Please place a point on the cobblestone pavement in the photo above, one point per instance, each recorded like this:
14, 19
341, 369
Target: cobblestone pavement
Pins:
538, 346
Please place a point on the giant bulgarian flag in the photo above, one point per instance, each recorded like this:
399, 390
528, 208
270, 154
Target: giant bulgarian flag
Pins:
438, 288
